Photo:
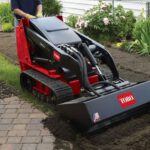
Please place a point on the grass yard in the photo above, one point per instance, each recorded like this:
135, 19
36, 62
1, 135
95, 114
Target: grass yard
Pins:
9, 72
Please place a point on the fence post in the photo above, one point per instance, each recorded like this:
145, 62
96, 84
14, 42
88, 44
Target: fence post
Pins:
147, 9
113, 5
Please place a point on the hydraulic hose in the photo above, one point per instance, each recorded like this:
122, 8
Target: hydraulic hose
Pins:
107, 83
84, 74
74, 53
85, 81
94, 63
92, 59
87, 84
81, 66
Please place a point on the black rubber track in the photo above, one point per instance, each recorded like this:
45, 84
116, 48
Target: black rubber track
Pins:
62, 91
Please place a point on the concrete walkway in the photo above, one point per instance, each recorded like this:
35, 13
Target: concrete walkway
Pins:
21, 127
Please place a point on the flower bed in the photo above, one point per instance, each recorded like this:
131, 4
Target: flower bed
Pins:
104, 23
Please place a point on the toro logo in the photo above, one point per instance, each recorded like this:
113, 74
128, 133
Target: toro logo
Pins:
126, 99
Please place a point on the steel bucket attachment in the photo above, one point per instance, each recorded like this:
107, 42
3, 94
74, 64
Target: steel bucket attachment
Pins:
91, 114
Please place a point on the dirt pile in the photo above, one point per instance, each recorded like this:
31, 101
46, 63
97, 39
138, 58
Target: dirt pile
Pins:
131, 134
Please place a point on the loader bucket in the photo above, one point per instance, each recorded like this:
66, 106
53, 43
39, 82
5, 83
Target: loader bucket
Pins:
90, 114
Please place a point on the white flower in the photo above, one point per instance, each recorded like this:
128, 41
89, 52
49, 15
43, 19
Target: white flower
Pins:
103, 6
110, 14
101, 10
81, 23
86, 24
94, 12
106, 21
123, 17
78, 23
76, 26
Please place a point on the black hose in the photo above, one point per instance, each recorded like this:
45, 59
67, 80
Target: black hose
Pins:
86, 83
77, 55
81, 66
93, 61
107, 83
89, 54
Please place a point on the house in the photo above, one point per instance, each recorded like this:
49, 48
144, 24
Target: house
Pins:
78, 7
3, 1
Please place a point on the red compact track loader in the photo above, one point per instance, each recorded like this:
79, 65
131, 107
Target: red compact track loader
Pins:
66, 68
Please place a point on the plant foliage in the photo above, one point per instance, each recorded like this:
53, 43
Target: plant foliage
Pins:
7, 27
51, 7
141, 34
6, 15
72, 20
101, 22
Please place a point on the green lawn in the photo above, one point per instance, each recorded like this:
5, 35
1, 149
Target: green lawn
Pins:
9, 72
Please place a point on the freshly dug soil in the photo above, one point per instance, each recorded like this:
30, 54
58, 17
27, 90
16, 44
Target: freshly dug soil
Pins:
6, 91
131, 134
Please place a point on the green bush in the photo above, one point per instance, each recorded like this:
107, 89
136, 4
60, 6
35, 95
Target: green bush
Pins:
137, 28
129, 25
101, 23
142, 39
6, 15
72, 20
51, 7
7, 27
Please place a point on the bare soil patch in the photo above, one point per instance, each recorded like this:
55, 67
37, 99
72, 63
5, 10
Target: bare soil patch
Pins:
6, 91
131, 134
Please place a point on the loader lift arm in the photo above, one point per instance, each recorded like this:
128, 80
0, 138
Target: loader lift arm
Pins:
106, 56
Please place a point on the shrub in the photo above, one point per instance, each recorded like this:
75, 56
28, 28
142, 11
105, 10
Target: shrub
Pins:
7, 27
72, 20
6, 15
137, 27
99, 22
51, 7
124, 22
142, 38
129, 24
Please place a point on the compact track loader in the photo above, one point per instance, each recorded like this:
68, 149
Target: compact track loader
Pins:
64, 67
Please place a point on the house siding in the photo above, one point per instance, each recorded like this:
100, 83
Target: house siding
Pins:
4, 1
78, 7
